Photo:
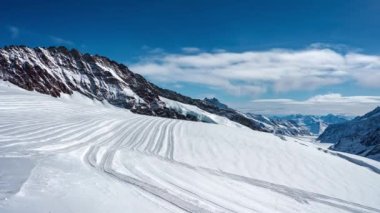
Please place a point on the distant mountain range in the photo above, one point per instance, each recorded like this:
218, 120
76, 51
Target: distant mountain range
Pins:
359, 136
315, 124
279, 126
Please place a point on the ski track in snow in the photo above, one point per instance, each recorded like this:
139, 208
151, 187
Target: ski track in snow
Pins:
352, 160
139, 151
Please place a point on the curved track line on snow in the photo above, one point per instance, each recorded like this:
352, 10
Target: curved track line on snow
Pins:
299, 195
352, 160
166, 136
105, 166
104, 136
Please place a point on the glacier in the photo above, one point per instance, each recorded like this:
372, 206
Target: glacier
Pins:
75, 154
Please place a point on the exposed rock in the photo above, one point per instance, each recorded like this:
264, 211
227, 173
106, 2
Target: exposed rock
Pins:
359, 136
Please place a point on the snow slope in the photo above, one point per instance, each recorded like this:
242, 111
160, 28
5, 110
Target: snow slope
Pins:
72, 154
201, 115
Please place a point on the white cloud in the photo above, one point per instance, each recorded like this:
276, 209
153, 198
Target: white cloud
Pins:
319, 105
178, 86
256, 72
153, 51
61, 41
191, 49
338, 47
15, 31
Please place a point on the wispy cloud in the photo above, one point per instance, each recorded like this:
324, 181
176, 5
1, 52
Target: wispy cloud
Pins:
61, 41
191, 49
14, 31
256, 72
320, 104
337, 47
178, 86
153, 50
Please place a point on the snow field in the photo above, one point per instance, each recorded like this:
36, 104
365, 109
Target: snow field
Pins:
73, 154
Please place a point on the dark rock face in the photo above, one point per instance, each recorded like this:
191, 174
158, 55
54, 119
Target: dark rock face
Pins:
57, 70
215, 102
359, 136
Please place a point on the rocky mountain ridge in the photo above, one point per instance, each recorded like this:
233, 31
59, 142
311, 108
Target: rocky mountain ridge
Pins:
280, 126
315, 124
57, 70
359, 136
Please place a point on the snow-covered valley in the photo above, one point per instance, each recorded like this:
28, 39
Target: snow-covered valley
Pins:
73, 154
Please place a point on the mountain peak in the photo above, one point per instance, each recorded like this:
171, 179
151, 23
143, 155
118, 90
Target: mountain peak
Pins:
56, 70
373, 113
215, 102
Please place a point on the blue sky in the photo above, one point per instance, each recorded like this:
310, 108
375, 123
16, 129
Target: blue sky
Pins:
265, 53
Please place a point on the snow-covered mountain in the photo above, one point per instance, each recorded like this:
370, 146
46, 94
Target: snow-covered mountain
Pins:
279, 126
260, 122
74, 154
215, 102
316, 124
212, 106
359, 136
57, 70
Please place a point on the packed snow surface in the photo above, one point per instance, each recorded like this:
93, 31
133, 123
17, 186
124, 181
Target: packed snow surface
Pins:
201, 115
73, 154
